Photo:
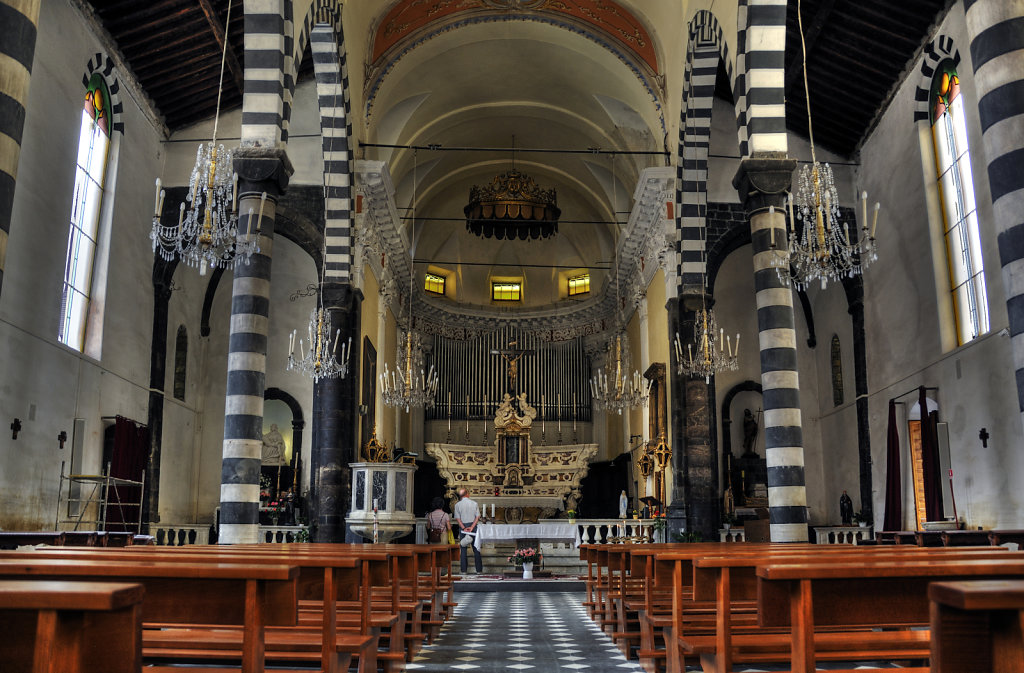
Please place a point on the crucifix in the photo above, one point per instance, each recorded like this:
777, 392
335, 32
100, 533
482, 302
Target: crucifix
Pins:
512, 356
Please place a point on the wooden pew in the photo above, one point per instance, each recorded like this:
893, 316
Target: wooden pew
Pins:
10, 539
70, 627
964, 538
999, 537
977, 626
731, 582
324, 578
252, 595
806, 596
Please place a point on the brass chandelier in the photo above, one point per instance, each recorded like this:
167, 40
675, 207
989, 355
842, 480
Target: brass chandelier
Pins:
513, 206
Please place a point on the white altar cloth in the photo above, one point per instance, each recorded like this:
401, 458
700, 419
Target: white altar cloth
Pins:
493, 532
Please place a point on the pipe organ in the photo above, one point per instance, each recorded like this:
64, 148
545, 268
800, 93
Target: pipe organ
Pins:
558, 371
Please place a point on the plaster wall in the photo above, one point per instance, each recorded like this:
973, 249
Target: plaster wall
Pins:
44, 383
906, 306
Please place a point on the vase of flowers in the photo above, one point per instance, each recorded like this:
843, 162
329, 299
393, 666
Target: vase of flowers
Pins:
572, 516
524, 558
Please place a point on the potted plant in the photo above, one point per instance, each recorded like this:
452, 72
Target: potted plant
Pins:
729, 520
524, 558
862, 519
636, 514
572, 515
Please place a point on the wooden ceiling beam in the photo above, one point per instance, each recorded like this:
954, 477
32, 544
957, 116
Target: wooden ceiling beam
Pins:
810, 40
218, 33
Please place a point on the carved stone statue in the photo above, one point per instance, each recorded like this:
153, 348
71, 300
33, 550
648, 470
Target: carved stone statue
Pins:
749, 432
846, 509
273, 447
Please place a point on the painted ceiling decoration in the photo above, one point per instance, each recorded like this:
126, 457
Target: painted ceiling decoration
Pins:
409, 16
411, 23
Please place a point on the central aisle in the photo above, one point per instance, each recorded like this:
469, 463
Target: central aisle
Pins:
543, 632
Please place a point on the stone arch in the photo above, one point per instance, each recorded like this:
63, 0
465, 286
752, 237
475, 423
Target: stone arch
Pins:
935, 52
102, 64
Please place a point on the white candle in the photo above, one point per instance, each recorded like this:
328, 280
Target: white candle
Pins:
874, 221
864, 210
263, 200
492, 510
156, 200
181, 216
160, 202
234, 192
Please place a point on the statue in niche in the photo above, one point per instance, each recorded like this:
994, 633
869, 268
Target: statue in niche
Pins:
846, 509
273, 447
749, 432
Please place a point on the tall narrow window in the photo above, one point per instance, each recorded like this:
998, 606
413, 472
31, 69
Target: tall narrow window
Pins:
963, 242
93, 142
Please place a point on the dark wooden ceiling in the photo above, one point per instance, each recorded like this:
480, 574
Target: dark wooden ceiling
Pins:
856, 51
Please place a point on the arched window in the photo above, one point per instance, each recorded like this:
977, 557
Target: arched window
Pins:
960, 217
91, 164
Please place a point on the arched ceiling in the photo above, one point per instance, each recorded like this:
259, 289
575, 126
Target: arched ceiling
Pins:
478, 86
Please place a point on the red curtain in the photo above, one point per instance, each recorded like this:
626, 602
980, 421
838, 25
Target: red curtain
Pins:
127, 461
930, 460
893, 478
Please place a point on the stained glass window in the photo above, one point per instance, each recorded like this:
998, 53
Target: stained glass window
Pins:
956, 185
90, 166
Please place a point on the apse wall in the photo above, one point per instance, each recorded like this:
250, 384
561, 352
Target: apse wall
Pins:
44, 383
905, 313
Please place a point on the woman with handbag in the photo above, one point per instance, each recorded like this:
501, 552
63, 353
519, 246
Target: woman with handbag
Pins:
439, 524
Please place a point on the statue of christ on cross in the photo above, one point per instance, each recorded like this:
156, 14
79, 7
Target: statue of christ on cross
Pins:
512, 356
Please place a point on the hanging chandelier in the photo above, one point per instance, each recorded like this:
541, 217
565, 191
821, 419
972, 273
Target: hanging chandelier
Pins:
512, 206
715, 351
206, 234
821, 249
614, 389
322, 361
410, 384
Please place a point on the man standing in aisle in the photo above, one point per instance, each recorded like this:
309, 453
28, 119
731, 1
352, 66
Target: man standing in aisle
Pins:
467, 513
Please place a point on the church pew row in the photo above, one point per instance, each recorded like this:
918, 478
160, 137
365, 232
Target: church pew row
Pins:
58, 538
312, 564
70, 627
649, 575
977, 626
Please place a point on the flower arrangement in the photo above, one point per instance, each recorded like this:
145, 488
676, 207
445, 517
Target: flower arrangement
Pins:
524, 555
660, 522
571, 513
275, 508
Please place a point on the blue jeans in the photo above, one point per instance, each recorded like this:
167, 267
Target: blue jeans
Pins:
464, 556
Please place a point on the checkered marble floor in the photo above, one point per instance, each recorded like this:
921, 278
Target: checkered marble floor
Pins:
522, 632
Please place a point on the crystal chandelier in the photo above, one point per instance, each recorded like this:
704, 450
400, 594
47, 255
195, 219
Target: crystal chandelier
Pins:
715, 351
410, 384
821, 249
614, 389
323, 361
207, 230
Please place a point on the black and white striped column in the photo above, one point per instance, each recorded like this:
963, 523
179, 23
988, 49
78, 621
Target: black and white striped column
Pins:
17, 47
765, 76
259, 170
763, 183
263, 99
996, 29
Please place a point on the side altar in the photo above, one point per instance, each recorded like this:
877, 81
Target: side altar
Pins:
515, 474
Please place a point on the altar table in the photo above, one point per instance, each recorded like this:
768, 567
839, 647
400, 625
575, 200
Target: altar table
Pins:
494, 532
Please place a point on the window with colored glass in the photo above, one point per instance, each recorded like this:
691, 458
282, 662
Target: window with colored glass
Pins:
956, 186
90, 166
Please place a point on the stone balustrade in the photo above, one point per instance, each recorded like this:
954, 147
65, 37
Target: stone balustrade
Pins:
843, 534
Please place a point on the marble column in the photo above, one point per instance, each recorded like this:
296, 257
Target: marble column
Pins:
996, 29
762, 182
18, 20
336, 419
259, 170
